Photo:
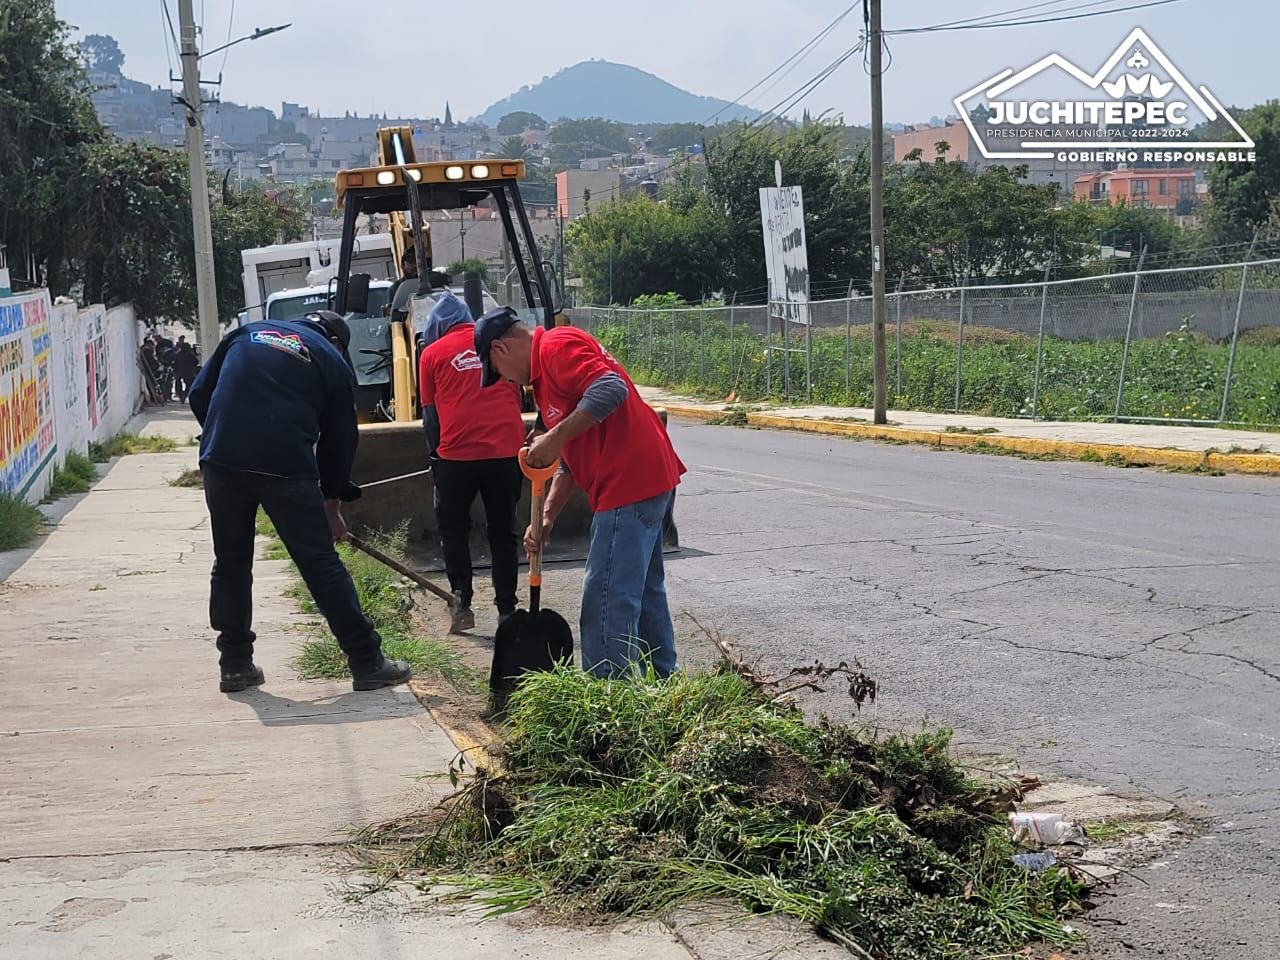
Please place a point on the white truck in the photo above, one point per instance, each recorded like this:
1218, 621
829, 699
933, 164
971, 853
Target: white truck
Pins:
295, 266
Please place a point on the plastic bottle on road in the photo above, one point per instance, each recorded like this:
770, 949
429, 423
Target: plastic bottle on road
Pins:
1049, 829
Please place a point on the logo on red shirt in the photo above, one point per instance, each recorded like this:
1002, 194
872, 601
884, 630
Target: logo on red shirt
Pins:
466, 360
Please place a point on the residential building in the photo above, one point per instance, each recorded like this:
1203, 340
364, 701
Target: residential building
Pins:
1163, 189
926, 139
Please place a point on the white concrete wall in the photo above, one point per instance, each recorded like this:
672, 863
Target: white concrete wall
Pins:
68, 377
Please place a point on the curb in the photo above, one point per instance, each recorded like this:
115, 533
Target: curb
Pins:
1260, 464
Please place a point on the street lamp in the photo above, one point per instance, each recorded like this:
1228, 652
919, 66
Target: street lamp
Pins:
258, 34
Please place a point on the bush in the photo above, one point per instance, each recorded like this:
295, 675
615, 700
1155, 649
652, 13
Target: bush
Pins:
19, 522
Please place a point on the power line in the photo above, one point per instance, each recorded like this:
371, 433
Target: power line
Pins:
936, 28
1006, 13
231, 20
789, 64
173, 34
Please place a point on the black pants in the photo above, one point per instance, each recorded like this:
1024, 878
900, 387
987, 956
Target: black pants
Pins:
498, 482
296, 508
183, 384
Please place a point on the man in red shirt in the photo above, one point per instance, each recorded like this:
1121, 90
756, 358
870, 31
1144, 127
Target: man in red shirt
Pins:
473, 437
612, 444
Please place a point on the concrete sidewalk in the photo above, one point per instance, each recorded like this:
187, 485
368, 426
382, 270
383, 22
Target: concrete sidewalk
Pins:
147, 815
1243, 451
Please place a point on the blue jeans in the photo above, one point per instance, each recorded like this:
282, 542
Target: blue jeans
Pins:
625, 621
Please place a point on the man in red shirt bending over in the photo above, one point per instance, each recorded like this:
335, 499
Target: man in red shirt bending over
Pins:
473, 437
612, 444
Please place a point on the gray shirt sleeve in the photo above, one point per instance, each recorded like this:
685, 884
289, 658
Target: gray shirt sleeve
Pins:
605, 395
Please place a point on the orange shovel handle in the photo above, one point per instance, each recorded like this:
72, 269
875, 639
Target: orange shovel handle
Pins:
538, 478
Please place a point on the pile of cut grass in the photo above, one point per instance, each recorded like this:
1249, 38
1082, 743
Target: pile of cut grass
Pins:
123, 444
630, 798
19, 521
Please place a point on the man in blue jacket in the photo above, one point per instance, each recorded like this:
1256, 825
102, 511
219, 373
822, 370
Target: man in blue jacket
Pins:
277, 404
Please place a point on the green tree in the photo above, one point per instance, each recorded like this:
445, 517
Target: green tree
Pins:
1244, 197
512, 148
677, 136
628, 248
460, 268
45, 119
102, 53
592, 137
836, 200
518, 122
945, 222
1130, 227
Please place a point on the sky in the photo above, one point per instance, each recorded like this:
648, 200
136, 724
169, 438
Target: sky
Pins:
336, 57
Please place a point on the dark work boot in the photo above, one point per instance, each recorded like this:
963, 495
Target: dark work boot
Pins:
237, 678
388, 673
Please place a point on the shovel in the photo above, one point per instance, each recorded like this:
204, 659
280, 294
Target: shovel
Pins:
533, 639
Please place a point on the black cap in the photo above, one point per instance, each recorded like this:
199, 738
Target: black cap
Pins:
489, 328
333, 326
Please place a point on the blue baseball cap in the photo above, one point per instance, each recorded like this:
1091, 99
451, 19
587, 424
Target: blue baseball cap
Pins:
489, 328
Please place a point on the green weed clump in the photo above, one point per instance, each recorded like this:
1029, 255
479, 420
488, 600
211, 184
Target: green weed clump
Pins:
75, 475
387, 599
123, 444
19, 521
629, 798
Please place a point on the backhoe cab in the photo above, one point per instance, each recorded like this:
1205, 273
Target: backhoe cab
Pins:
405, 190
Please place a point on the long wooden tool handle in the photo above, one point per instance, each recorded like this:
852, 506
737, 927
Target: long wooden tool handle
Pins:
538, 477
400, 568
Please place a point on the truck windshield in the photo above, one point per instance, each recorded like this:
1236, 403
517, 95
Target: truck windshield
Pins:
291, 308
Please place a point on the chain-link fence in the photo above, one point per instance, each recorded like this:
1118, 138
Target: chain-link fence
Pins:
1192, 345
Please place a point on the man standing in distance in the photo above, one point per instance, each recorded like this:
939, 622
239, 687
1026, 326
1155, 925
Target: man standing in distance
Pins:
613, 445
473, 437
277, 404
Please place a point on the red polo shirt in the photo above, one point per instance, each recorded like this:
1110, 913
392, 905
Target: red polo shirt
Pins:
625, 459
475, 424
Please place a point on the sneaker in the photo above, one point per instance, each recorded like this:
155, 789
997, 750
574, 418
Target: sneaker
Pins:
236, 679
389, 673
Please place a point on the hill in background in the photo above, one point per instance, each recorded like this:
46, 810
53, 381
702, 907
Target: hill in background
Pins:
614, 91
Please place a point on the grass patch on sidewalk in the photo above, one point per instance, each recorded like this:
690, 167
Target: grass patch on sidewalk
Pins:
123, 444
387, 599
188, 478
630, 798
20, 522
75, 475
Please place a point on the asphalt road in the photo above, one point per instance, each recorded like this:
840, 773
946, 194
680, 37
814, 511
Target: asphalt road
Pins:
1121, 625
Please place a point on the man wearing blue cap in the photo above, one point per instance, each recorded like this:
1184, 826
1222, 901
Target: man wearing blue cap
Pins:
473, 437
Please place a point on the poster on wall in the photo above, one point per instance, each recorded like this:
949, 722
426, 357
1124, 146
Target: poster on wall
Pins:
97, 361
27, 433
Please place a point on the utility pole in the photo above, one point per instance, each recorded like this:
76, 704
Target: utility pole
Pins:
206, 290
876, 42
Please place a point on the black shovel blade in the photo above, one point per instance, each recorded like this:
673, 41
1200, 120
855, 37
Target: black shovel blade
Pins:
525, 643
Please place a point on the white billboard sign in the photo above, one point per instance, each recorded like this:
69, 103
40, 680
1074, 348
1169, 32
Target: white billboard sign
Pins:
785, 256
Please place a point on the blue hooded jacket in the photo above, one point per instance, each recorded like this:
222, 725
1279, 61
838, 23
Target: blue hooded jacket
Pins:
447, 313
277, 398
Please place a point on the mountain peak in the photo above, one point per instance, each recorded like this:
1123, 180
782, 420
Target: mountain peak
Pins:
614, 91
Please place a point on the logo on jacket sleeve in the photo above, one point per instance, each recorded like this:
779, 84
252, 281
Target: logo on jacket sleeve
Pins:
289, 343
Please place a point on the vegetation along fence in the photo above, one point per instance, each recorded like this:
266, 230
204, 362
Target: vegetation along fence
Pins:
1187, 345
